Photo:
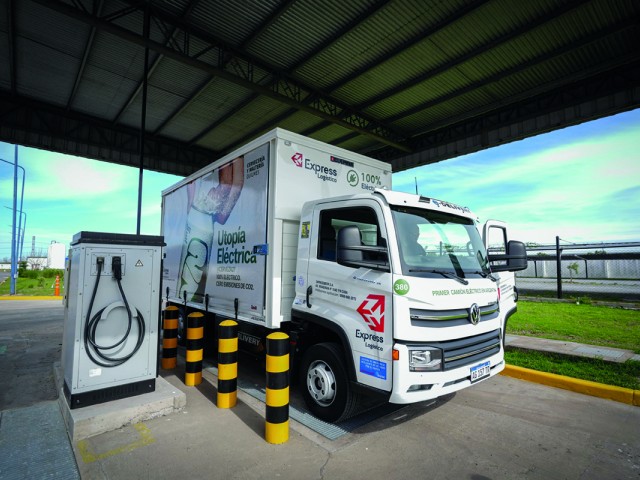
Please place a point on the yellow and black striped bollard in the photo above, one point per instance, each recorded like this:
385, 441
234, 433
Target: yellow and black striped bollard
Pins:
170, 338
227, 364
193, 360
277, 411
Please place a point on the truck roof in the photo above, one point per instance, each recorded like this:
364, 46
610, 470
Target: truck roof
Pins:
420, 201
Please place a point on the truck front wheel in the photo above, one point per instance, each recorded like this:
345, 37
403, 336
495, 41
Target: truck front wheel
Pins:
325, 384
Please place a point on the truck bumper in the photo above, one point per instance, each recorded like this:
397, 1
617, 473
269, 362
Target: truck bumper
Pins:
412, 387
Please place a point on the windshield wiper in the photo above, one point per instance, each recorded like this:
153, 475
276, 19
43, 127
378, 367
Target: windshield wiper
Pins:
486, 275
443, 273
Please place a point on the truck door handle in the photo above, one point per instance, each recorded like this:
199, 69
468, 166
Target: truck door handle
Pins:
309, 292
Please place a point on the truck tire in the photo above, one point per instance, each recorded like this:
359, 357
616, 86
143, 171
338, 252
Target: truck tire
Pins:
325, 384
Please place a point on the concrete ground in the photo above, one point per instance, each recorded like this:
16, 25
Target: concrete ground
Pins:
500, 428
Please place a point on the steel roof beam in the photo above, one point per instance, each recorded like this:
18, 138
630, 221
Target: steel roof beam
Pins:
169, 39
285, 90
87, 49
347, 28
33, 123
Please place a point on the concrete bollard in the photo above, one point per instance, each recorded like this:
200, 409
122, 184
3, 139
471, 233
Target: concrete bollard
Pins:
227, 364
277, 411
170, 338
193, 359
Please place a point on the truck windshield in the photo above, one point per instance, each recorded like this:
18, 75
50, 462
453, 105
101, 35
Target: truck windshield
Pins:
434, 244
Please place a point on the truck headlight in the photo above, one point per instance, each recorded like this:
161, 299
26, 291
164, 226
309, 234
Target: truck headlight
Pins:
425, 360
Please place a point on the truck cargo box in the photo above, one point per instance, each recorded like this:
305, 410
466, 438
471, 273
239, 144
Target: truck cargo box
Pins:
232, 228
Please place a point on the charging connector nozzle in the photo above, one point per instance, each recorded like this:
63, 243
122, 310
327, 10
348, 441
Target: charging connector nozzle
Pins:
116, 267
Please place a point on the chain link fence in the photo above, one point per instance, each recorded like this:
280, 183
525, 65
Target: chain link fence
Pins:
607, 271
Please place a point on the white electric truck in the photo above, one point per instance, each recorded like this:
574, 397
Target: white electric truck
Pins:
380, 292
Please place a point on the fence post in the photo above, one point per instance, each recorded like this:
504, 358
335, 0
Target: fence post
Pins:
559, 266
170, 338
277, 391
193, 359
227, 364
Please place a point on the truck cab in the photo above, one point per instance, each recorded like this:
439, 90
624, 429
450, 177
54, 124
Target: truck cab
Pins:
395, 295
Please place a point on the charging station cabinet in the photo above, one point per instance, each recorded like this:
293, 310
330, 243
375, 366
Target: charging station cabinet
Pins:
111, 317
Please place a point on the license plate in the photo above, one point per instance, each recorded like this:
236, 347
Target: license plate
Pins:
480, 371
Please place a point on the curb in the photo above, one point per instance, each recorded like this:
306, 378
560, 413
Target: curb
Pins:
38, 297
585, 387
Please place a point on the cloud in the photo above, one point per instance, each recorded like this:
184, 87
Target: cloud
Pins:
545, 187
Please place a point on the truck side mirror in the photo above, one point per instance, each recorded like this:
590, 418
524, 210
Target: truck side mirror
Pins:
351, 251
348, 243
516, 258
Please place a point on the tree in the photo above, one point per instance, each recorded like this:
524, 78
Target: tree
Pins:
573, 268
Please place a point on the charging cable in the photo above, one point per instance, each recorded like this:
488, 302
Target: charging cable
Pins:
102, 351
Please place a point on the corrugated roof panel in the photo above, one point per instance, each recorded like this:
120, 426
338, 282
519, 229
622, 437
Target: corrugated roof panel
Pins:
302, 27
46, 42
160, 104
176, 7
32, 60
361, 144
239, 122
430, 56
232, 22
212, 104
433, 117
300, 122
177, 78
46, 27
5, 73
119, 13
329, 133
100, 93
427, 91
386, 31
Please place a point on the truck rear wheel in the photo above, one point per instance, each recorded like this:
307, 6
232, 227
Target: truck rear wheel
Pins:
325, 383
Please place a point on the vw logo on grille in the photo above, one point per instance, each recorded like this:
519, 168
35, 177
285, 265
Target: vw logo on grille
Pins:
474, 314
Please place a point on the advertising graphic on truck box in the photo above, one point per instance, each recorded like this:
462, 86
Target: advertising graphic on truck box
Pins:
221, 235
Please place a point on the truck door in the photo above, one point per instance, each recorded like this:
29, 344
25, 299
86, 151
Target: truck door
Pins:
495, 239
356, 300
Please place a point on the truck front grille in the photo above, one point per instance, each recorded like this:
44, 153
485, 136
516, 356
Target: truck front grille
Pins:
465, 351
450, 318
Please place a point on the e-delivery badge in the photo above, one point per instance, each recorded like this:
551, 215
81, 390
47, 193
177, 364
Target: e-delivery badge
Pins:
324, 173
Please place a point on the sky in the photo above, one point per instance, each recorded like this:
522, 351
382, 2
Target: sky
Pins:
581, 183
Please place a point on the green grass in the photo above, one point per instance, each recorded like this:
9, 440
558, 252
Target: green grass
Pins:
31, 286
625, 375
590, 324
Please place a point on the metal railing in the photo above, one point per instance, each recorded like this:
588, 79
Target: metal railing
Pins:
592, 270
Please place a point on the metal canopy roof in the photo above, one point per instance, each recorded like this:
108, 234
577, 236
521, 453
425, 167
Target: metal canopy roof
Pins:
409, 82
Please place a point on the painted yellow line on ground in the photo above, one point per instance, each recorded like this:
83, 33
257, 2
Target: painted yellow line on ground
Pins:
145, 439
585, 387
35, 297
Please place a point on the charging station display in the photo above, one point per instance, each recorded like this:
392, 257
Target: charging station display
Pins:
112, 317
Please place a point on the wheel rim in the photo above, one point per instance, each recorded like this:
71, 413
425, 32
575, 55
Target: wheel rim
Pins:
321, 383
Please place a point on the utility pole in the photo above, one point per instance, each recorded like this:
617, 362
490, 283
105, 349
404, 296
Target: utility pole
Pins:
14, 244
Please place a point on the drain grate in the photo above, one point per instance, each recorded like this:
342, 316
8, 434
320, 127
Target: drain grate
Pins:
34, 444
332, 431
